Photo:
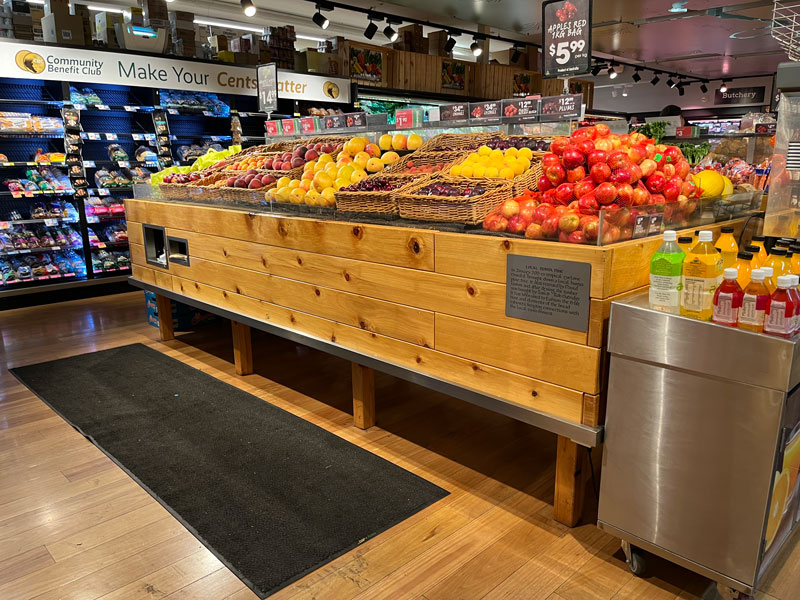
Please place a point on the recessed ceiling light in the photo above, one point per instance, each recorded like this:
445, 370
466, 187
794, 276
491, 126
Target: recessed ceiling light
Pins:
679, 7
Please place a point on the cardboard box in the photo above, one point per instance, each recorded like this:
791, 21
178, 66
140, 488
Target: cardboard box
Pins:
219, 42
319, 62
56, 7
533, 58
436, 42
136, 17
63, 29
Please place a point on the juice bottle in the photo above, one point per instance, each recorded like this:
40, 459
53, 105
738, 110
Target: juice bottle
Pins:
769, 279
758, 240
755, 263
795, 293
727, 246
696, 238
702, 273
666, 267
754, 303
743, 266
781, 310
795, 248
686, 243
728, 299
787, 262
776, 261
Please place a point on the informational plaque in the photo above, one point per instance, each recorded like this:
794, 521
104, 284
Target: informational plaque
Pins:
550, 291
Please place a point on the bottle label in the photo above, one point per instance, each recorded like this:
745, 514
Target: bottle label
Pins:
698, 292
665, 291
724, 311
753, 309
777, 321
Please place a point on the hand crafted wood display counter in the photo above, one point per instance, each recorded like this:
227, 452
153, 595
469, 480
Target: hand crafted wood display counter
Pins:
424, 305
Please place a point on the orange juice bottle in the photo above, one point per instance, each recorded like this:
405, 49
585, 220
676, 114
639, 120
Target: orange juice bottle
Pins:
752, 249
795, 248
769, 279
781, 310
743, 266
758, 240
702, 274
686, 244
696, 238
754, 303
727, 246
776, 261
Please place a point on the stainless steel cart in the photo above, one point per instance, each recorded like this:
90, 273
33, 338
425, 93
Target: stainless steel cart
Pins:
702, 443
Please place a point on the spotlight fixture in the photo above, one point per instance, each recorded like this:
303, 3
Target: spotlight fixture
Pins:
671, 82
724, 87
475, 47
636, 77
614, 92
612, 74
655, 79
450, 44
390, 33
703, 87
371, 29
625, 92
248, 8
516, 54
596, 70
319, 19
680, 91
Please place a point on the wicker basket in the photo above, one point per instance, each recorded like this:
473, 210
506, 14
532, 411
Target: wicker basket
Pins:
456, 141
422, 159
470, 211
245, 195
525, 181
377, 202
173, 191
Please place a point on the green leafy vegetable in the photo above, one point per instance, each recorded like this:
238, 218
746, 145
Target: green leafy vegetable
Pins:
654, 130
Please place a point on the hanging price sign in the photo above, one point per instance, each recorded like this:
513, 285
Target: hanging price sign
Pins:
567, 42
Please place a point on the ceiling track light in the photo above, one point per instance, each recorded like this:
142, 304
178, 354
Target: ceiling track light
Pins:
371, 29
655, 79
671, 82
625, 92
612, 74
703, 87
724, 87
390, 33
449, 44
516, 54
475, 46
636, 77
680, 91
248, 8
596, 70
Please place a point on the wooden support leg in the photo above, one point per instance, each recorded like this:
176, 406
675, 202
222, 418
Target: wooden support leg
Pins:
165, 324
570, 482
363, 396
242, 348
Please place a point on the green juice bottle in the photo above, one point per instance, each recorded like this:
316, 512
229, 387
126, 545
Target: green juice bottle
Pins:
666, 268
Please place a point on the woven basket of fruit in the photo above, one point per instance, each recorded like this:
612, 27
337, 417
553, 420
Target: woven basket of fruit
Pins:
455, 141
520, 167
375, 194
174, 185
452, 199
424, 162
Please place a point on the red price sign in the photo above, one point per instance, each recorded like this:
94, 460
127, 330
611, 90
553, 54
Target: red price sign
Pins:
307, 124
404, 119
288, 126
271, 127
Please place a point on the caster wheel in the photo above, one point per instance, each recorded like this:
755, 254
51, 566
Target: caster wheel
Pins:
636, 562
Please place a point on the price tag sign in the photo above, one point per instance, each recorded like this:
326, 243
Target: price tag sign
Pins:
101, 245
123, 163
92, 219
137, 136
131, 108
271, 127
358, 119
83, 135
521, 107
102, 107
79, 106
51, 222
93, 136
150, 136
5, 225
454, 112
288, 126
208, 113
485, 110
308, 125
267, 82
89, 163
172, 111
111, 136
104, 192
6, 164
404, 119
16, 194
567, 40
28, 193
557, 108
334, 122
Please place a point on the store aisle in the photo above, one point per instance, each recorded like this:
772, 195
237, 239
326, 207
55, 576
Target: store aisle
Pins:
73, 525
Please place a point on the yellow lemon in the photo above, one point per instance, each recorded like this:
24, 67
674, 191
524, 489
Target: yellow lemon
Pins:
496, 154
283, 182
341, 182
282, 194
327, 195
345, 172
361, 159
484, 151
374, 165
525, 153
518, 168
512, 152
492, 172
473, 157
525, 162
385, 142
414, 141
399, 142
356, 145
294, 184
479, 171
309, 165
357, 176
455, 170
331, 169
389, 158
325, 158
506, 173
312, 197
296, 196
322, 180
467, 171
484, 160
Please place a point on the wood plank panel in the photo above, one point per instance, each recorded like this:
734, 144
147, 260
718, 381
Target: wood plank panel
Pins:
525, 391
476, 300
563, 363
135, 233
377, 243
401, 322
484, 257
570, 482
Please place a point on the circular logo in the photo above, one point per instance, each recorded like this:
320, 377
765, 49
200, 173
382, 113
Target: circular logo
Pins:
30, 61
330, 89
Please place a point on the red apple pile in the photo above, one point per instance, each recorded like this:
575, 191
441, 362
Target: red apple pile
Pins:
299, 156
251, 179
594, 169
184, 178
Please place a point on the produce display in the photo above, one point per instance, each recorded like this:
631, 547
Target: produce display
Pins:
505, 164
320, 178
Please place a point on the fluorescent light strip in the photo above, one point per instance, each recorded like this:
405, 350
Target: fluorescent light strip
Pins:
96, 8
35, 1
300, 36
228, 25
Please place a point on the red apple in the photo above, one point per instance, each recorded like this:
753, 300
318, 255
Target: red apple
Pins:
671, 192
600, 172
640, 195
534, 232
543, 184
525, 202
526, 214
648, 167
673, 154
569, 222
576, 174
601, 130
605, 193
583, 187
668, 170
657, 199
559, 144
617, 159
577, 237
498, 223
585, 147
541, 212
682, 169
555, 174
588, 205
549, 196
636, 173
650, 150
636, 154
625, 194
605, 144
621, 175
516, 225
655, 183
509, 208
584, 133
560, 210
550, 159
550, 226
572, 158
591, 228
596, 156
688, 188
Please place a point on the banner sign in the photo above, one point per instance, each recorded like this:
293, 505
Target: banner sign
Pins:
742, 95
306, 86
567, 41
268, 88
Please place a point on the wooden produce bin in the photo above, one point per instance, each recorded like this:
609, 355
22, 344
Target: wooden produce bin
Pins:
416, 300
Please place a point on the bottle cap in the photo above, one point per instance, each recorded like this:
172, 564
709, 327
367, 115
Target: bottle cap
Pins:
758, 238
727, 230
697, 232
757, 275
781, 244
706, 236
685, 240
730, 273
778, 251
795, 248
795, 279
787, 240
670, 236
745, 255
784, 281
767, 271
753, 249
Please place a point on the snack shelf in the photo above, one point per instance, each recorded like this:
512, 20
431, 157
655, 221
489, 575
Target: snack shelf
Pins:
33, 135
38, 250
32, 163
120, 163
12, 282
114, 270
113, 107
45, 222
709, 136
102, 245
31, 194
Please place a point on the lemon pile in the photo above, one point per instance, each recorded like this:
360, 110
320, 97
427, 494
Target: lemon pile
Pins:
367, 156
494, 163
321, 177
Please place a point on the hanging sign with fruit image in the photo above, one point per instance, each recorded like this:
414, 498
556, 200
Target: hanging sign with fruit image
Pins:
366, 64
454, 75
567, 40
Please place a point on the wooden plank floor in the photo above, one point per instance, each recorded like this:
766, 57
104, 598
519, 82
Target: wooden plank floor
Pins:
75, 526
